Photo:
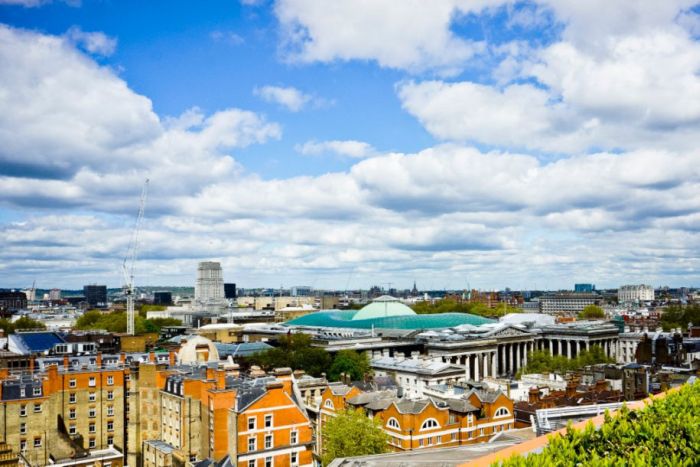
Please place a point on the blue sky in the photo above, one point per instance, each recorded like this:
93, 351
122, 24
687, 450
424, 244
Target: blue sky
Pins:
492, 143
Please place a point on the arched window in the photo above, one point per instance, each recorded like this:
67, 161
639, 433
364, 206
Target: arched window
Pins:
329, 404
501, 412
393, 423
430, 423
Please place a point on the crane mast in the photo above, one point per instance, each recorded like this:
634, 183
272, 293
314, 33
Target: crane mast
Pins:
128, 264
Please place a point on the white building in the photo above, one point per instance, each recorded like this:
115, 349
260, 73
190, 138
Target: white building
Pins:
635, 293
416, 374
209, 287
569, 303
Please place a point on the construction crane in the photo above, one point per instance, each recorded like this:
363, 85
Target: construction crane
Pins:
128, 264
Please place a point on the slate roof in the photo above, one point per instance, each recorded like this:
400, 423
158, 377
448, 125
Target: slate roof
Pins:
460, 405
412, 407
244, 349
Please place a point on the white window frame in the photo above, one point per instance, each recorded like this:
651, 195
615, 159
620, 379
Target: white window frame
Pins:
254, 423
252, 441
501, 412
429, 424
268, 418
293, 437
92, 382
37, 442
110, 380
329, 404
72, 383
269, 441
23, 410
393, 423
72, 398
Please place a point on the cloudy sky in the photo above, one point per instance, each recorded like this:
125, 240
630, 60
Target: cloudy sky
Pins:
346, 143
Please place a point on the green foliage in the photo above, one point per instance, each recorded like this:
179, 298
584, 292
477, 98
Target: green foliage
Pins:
664, 433
352, 433
540, 361
356, 365
679, 316
295, 351
592, 312
22, 323
116, 322
454, 306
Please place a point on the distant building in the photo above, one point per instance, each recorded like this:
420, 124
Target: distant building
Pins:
568, 303
209, 287
302, 291
584, 288
54, 294
95, 295
10, 302
162, 298
635, 293
230, 291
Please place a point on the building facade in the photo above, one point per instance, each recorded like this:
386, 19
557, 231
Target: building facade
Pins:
209, 287
635, 293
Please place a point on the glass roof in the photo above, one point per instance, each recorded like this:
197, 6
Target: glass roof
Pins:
344, 319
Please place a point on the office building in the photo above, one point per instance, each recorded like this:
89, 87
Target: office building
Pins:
209, 287
584, 288
230, 291
568, 303
54, 294
11, 302
635, 293
95, 295
162, 298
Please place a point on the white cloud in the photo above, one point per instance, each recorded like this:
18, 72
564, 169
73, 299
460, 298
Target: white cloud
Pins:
97, 43
411, 35
347, 148
289, 97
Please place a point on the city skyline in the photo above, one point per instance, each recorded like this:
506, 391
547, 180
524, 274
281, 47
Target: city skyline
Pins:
529, 145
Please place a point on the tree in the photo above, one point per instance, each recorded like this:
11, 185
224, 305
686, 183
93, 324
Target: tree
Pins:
592, 312
678, 316
355, 365
294, 351
28, 323
352, 433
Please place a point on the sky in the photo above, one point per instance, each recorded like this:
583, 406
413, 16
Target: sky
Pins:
346, 143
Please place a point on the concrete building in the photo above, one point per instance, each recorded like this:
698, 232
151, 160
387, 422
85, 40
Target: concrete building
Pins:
54, 294
635, 293
413, 375
209, 286
568, 303
11, 302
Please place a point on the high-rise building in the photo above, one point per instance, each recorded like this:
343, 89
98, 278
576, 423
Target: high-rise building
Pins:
584, 288
95, 295
230, 290
162, 298
55, 294
209, 287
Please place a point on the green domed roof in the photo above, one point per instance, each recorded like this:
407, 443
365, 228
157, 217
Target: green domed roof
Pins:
346, 319
383, 307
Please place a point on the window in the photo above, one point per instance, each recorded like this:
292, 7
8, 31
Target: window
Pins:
72, 430
22, 428
92, 443
251, 444
71, 414
470, 420
21, 392
92, 397
393, 423
293, 458
37, 442
37, 408
481, 432
453, 419
91, 428
454, 436
92, 412
268, 441
110, 425
429, 424
430, 441
72, 383
23, 445
268, 462
92, 382
268, 421
23, 410
110, 395
110, 441
328, 404
251, 463
420, 442
439, 439
251, 423
110, 411
293, 437
501, 412
37, 391
71, 398
110, 380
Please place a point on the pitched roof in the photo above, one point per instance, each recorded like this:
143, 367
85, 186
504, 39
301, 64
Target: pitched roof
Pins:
412, 407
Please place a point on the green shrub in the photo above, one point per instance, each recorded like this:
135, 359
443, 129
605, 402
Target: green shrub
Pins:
663, 433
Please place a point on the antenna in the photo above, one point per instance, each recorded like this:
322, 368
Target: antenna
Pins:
129, 261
